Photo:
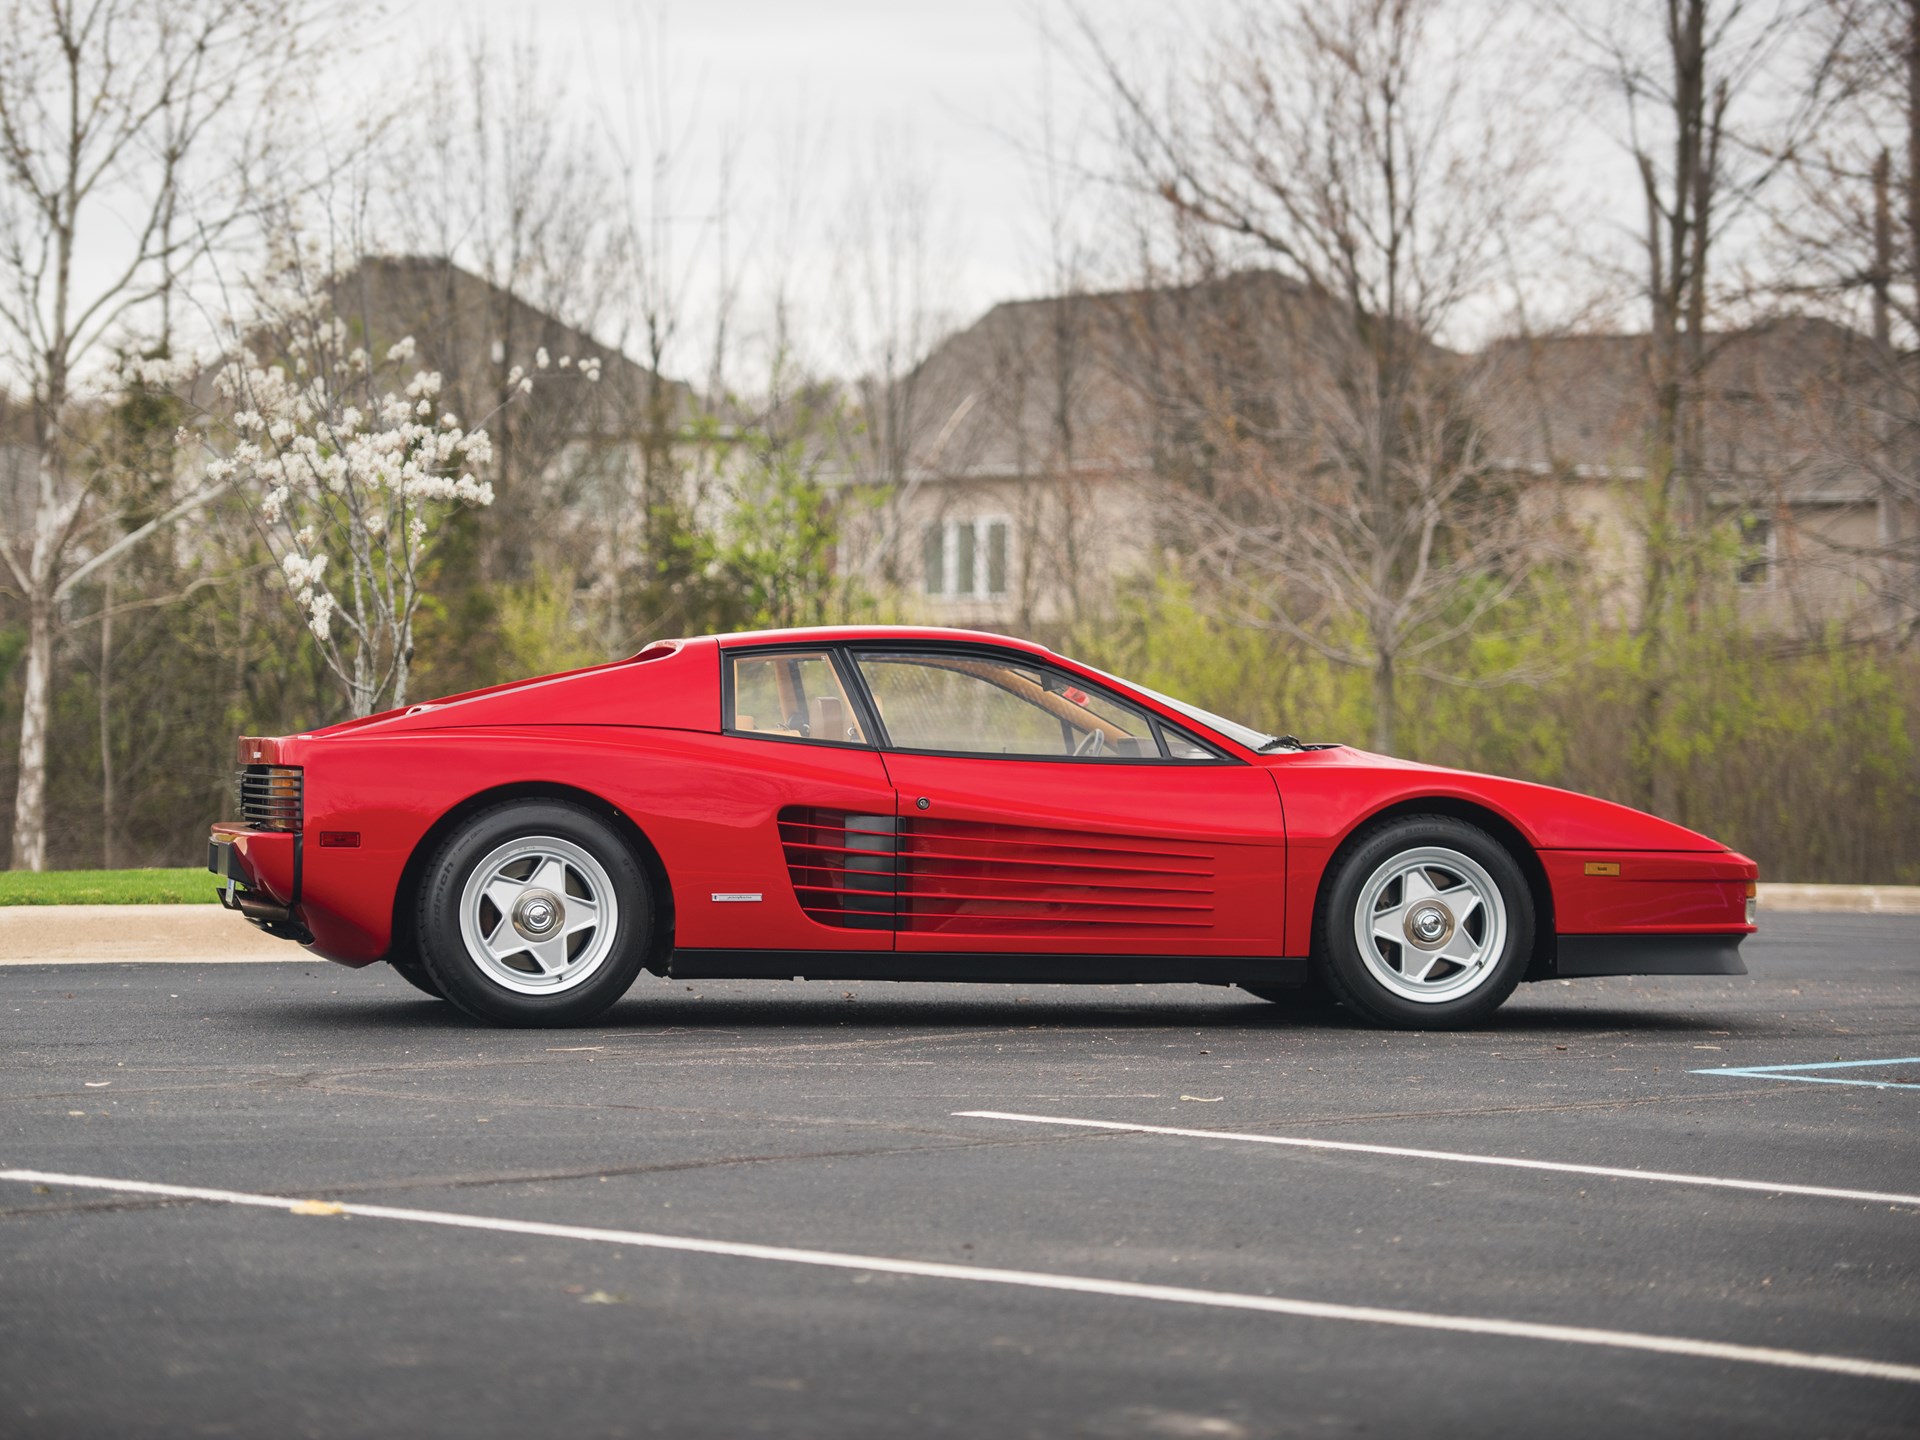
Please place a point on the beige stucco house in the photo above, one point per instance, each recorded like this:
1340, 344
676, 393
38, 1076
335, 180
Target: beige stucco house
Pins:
1048, 444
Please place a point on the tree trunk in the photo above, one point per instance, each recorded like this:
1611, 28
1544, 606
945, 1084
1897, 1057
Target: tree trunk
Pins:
109, 856
1384, 737
36, 707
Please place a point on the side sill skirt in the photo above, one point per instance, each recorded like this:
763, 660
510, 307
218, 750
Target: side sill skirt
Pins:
987, 968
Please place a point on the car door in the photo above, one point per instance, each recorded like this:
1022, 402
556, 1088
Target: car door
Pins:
1038, 813
798, 803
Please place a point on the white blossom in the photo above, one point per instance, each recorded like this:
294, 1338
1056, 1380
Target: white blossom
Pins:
350, 463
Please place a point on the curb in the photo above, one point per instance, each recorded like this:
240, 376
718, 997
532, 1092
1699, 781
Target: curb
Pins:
118, 934
206, 934
1848, 899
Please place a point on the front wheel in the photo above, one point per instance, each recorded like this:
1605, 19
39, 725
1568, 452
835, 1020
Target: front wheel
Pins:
1428, 924
534, 913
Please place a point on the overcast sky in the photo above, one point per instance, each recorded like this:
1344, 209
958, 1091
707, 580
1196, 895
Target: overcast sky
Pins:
939, 84
943, 83
942, 87
936, 75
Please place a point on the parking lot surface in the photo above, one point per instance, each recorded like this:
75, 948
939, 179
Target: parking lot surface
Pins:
831, 1210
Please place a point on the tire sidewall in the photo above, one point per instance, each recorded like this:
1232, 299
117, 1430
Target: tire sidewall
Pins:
444, 954
1338, 955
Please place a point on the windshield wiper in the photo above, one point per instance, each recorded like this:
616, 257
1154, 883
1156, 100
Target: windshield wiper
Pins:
1280, 742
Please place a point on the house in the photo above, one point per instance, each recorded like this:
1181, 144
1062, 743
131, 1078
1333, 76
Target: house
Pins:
573, 460
1787, 454
1049, 444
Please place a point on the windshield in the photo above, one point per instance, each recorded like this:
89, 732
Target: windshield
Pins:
1242, 734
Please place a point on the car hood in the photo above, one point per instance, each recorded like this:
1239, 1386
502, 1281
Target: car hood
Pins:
1552, 819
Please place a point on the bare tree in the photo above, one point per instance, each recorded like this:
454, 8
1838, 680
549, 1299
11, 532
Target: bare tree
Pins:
1715, 98
500, 204
1849, 234
109, 113
1055, 498
1335, 466
675, 216
887, 256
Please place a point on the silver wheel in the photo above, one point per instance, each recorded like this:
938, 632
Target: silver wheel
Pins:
1430, 924
538, 915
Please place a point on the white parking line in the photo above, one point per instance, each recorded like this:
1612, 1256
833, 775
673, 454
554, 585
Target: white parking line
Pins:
1025, 1279
1609, 1172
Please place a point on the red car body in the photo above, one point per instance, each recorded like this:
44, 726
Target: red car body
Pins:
1109, 870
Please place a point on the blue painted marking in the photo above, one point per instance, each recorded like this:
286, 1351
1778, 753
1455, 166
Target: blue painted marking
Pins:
1790, 1072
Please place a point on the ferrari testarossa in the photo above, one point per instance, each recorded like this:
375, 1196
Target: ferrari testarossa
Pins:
883, 803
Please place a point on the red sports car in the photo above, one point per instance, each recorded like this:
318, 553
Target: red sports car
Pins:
878, 803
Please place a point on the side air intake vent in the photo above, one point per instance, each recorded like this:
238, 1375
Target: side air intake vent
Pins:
845, 867
962, 877
879, 872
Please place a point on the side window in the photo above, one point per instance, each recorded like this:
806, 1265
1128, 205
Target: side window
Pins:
980, 706
1179, 747
796, 695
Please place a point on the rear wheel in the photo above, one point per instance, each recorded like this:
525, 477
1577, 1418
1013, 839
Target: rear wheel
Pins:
1428, 924
534, 913
415, 974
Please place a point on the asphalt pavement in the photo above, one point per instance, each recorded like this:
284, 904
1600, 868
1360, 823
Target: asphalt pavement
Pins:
809, 1210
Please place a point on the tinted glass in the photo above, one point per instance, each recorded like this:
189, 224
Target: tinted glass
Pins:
980, 706
795, 695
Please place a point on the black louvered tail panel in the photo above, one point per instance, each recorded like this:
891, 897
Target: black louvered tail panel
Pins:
271, 797
845, 867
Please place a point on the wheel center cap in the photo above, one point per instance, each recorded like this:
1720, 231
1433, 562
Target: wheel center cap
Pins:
538, 913
1429, 925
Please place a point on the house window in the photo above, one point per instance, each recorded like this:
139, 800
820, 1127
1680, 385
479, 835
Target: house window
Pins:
966, 559
1755, 565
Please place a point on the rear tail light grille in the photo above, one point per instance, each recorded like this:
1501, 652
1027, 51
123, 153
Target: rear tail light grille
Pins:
270, 797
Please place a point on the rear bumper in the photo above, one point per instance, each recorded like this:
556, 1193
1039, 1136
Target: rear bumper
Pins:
261, 871
1577, 955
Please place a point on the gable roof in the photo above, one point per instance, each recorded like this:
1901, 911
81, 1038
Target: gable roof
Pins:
1584, 403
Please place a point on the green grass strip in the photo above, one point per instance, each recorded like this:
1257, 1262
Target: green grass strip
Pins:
107, 887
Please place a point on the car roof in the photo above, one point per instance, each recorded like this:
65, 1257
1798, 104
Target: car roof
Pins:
854, 634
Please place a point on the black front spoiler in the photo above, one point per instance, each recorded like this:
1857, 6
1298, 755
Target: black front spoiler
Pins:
1580, 955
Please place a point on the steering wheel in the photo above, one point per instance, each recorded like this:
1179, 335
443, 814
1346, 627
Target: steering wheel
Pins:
1092, 743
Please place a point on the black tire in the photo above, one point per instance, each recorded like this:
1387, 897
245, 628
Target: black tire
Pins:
579, 865
415, 974
1417, 874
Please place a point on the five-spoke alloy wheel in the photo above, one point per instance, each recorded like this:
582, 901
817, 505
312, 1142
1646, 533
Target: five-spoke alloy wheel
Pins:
534, 913
1428, 924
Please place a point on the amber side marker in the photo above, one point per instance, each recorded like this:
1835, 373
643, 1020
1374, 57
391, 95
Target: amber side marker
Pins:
1603, 867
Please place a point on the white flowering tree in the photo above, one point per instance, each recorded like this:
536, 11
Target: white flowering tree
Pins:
350, 469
